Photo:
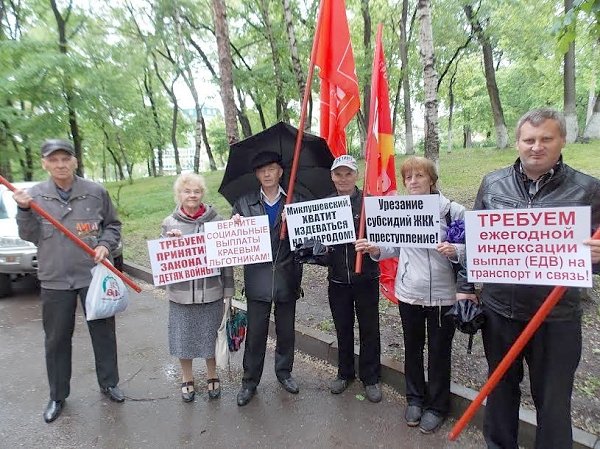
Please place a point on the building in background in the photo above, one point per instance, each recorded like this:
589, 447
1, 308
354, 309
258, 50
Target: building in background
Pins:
187, 148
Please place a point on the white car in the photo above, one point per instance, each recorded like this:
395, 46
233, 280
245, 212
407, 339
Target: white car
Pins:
19, 257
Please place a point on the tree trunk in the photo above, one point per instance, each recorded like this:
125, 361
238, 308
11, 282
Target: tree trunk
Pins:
174, 135
117, 163
409, 146
225, 70
490, 79
171, 93
451, 107
205, 139
188, 77
67, 87
159, 144
592, 130
128, 164
296, 64
570, 98
467, 137
151, 162
243, 115
432, 140
281, 111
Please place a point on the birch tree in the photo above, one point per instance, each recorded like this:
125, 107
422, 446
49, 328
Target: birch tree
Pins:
430, 78
225, 70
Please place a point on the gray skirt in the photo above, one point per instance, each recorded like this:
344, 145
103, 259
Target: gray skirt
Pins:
193, 329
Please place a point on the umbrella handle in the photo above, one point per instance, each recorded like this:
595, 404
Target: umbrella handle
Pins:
470, 344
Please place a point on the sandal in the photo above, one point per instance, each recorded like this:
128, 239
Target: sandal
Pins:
214, 388
186, 394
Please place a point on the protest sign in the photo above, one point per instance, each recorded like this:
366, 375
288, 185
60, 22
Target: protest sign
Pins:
529, 246
230, 244
403, 221
178, 259
328, 220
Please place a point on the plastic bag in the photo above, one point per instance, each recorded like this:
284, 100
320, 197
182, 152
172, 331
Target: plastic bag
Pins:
222, 346
106, 296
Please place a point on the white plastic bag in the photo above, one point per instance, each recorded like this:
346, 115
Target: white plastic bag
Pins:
106, 296
221, 348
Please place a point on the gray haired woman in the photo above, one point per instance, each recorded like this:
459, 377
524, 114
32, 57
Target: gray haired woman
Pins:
195, 306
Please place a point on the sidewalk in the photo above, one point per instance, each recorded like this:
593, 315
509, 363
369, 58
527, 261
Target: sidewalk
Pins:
154, 415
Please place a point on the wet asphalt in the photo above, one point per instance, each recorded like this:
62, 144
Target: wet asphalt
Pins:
153, 416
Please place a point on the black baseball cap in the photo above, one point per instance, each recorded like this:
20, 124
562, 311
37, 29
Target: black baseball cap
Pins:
51, 145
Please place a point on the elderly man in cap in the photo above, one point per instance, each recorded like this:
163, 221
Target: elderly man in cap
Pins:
84, 208
276, 282
350, 292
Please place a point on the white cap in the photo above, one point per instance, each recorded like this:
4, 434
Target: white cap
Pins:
345, 160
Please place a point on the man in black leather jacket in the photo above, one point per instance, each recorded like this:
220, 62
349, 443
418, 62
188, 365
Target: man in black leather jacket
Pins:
539, 178
350, 292
275, 282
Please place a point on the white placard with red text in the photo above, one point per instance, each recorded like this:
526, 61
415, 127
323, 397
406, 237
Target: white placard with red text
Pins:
411, 221
529, 246
178, 259
231, 244
328, 220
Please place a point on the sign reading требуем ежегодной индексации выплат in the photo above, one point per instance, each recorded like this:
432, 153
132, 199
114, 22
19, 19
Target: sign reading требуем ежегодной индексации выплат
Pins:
534, 246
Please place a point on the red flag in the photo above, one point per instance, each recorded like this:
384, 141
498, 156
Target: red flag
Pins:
340, 97
380, 173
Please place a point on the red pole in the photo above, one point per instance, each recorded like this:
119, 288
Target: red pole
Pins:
372, 114
511, 355
74, 238
307, 88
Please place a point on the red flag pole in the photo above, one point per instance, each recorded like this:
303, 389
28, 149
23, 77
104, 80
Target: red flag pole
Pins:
307, 89
74, 238
555, 295
369, 149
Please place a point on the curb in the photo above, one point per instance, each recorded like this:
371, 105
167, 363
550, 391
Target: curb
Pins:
324, 346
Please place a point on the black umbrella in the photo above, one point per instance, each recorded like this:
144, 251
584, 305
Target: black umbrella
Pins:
313, 179
468, 318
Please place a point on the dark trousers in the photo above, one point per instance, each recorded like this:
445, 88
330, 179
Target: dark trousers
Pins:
256, 340
552, 356
58, 316
416, 320
344, 300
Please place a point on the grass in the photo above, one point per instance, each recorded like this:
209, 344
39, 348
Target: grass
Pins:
145, 203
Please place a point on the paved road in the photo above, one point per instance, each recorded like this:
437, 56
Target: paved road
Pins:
154, 415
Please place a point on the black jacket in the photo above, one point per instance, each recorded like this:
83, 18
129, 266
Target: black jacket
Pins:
342, 259
505, 189
280, 279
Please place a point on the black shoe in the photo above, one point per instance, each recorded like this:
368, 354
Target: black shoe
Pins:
339, 385
289, 385
373, 392
114, 394
412, 415
430, 422
188, 395
53, 410
245, 395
